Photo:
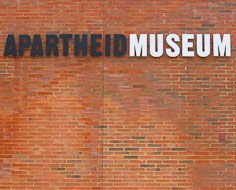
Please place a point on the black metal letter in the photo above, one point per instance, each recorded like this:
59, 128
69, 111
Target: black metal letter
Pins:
80, 45
24, 43
10, 47
95, 44
37, 47
117, 39
51, 44
65, 40
107, 45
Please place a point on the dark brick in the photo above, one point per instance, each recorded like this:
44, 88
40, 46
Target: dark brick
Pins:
58, 169
73, 176
138, 137
186, 161
131, 157
100, 127
147, 165
178, 149
131, 149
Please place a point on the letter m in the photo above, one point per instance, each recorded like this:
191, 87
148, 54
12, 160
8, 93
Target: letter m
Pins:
138, 47
221, 47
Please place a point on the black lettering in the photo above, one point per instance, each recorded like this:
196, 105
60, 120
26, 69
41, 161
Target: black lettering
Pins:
37, 47
65, 40
107, 45
80, 45
24, 43
119, 39
52, 45
95, 44
10, 47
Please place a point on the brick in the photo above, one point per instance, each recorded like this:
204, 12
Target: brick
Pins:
147, 165
73, 176
178, 149
131, 157
117, 122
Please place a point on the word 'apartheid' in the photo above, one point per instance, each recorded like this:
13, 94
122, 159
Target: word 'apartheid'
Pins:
173, 45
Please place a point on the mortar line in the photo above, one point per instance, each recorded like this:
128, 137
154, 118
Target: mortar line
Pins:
103, 93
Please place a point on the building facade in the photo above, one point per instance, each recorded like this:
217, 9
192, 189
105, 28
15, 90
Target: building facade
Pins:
84, 122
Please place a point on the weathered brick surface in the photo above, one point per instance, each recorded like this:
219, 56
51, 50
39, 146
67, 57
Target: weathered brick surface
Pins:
117, 123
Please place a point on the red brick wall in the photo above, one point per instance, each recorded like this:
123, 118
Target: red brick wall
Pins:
117, 123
